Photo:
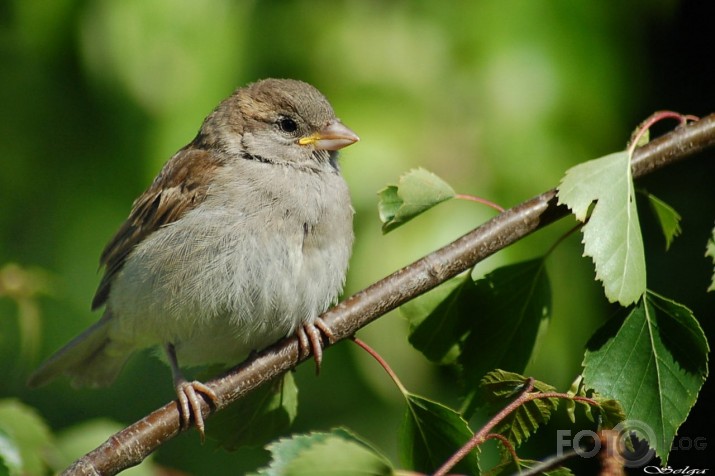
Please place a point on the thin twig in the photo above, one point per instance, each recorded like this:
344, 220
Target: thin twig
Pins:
566, 396
483, 201
383, 363
480, 436
504, 441
658, 116
131, 445
563, 237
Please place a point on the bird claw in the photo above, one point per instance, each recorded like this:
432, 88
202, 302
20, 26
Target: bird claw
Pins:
190, 403
310, 339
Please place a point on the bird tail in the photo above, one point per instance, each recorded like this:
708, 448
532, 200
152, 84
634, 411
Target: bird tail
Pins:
90, 359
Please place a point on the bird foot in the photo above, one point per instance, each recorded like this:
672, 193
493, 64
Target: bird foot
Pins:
190, 403
310, 339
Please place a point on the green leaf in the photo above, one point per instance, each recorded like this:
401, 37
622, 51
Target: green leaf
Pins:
338, 453
710, 251
610, 411
10, 460
558, 471
654, 362
435, 319
28, 433
576, 389
498, 388
644, 139
487, 324
257, 418
499, 385
509, 466
612, 236
668, 218
506, 309
430, 434
416, 192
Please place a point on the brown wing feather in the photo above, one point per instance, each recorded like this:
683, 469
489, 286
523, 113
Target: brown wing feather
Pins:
180, 186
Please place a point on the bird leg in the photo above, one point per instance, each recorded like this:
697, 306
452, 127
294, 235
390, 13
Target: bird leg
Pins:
310, 339
188, 394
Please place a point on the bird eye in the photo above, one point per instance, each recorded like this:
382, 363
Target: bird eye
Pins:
287, 124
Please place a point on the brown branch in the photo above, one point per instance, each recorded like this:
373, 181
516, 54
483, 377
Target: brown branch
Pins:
130, 446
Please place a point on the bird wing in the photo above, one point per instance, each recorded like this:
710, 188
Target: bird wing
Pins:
181, 185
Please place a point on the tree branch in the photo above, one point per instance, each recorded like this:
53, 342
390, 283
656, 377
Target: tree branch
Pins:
130, 446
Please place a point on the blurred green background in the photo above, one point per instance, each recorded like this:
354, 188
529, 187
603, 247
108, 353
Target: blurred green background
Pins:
498, 97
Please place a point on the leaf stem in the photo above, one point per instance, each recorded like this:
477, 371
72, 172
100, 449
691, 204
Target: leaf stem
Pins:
481, 436
483, 201
566, 396
562, 238
504, 441
651, 120
373, 353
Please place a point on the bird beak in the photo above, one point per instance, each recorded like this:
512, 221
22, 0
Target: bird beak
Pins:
334, 136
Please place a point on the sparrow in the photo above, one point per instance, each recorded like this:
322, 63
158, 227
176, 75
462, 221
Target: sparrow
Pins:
243, 238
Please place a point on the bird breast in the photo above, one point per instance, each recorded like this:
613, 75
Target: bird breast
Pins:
266, 251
